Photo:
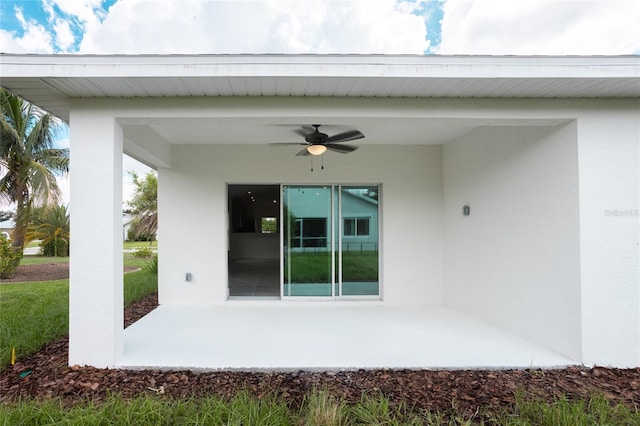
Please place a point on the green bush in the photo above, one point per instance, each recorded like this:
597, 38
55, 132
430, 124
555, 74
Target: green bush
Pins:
55, 248
9, 258
132, 235
51, 225
152, 265
143, 252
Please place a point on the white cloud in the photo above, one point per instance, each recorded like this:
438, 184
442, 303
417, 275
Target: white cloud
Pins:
277, 26
541, 27
496, 27
64, 36
35, 38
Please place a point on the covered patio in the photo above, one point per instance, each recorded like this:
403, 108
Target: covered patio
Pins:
506, 190
266, 336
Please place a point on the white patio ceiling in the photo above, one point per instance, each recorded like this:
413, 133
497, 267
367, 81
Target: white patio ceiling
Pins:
51, 81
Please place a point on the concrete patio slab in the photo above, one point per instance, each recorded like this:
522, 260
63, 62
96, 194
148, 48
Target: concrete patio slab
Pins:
284, 336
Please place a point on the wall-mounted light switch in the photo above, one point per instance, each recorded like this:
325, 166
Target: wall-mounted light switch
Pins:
466, 210
188, 276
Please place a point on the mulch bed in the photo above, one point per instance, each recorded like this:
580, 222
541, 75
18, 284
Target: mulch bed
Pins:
46, 375
44, 272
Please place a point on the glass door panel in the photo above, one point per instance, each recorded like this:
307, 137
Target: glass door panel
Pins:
307, 241
359, 241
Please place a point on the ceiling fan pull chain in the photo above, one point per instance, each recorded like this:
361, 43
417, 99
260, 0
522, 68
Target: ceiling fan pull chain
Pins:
311, 158
322, 158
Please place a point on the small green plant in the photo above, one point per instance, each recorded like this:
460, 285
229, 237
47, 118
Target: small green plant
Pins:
323, 408
9, 258
152, 265
143, 253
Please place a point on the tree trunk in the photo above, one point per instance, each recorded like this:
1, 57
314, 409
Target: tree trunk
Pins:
23, 215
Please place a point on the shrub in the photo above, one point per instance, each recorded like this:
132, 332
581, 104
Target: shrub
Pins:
143, 252
133, 235
55, 248
51, 226
9, 258
152, 265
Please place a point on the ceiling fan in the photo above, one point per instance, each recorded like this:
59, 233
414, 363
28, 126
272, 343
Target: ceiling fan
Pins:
317, 143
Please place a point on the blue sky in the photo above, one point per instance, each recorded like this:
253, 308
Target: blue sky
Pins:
497, 27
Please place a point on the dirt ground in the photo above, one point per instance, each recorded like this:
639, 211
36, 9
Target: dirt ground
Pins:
47, 375
44, 272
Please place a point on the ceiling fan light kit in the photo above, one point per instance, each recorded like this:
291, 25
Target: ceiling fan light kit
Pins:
316, 149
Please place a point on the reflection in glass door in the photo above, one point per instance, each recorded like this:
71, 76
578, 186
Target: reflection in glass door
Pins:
358, 251
307, 222
330, 241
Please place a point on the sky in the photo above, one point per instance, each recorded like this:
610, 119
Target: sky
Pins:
421, 27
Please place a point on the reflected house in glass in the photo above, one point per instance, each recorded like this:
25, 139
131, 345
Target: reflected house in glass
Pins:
331, 240
385, 268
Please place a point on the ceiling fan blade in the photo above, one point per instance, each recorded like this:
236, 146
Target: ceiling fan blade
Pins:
302, 132
286, 143
351, 135
342, 149
303, 153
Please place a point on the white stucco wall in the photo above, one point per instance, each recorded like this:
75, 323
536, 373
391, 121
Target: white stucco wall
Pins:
515, 261
193, 193
95, 266
609, 166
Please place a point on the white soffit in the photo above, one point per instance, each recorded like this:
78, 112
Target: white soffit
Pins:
50, 81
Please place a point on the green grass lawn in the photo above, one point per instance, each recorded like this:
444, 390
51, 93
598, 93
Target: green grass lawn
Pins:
135, 262
34, 313
319, 408
40, 260
132, 245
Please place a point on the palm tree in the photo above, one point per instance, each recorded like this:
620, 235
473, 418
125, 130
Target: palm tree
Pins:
28, 159
50, 225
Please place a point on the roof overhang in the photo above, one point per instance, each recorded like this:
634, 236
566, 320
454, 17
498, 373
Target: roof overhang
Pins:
50, 81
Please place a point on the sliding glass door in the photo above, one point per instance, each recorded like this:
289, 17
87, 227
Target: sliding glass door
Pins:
358, 254
330, 241
307, 223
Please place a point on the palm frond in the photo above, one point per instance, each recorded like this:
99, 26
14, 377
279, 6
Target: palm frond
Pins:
27, 153
44, 187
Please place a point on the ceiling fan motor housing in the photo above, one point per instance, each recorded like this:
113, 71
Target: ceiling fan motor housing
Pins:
316, 137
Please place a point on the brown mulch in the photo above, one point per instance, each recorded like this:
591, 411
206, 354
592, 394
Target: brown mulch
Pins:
44, 272
46, 375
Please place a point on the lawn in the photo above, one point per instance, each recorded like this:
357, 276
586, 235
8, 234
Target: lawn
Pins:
132, 245
39, 260
319, 408
34, 313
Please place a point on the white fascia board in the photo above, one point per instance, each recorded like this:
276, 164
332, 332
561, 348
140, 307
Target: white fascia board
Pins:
390, 66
